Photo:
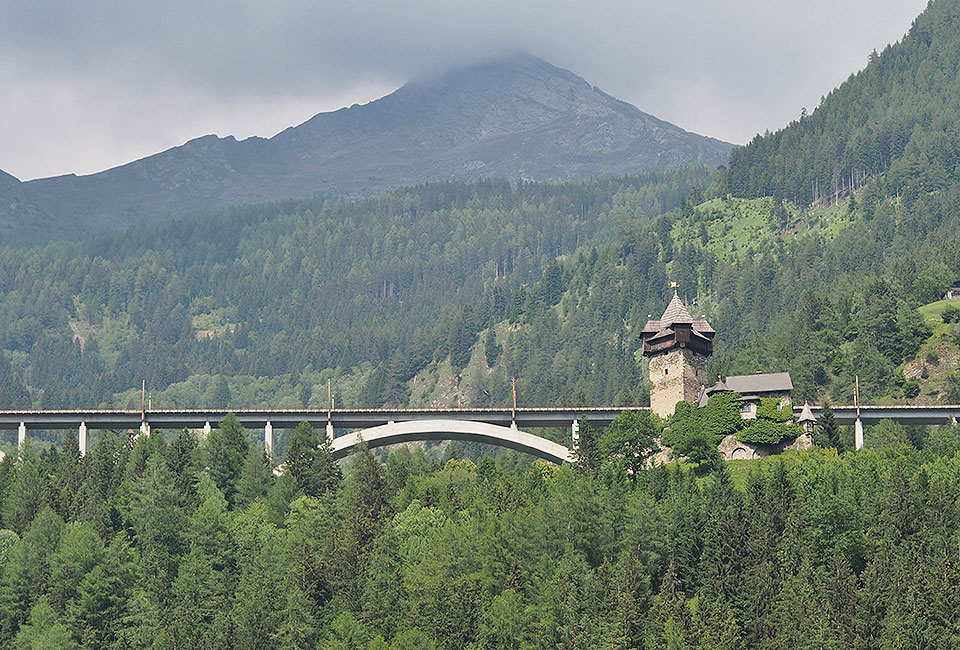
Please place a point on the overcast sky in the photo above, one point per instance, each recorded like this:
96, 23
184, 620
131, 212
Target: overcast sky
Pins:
90, 85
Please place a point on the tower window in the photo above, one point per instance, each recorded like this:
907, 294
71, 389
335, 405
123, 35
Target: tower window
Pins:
666, 371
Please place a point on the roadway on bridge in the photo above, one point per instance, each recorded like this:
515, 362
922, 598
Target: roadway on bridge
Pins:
173, 419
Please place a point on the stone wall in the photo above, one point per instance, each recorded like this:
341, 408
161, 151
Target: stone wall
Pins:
676, 375
732, 449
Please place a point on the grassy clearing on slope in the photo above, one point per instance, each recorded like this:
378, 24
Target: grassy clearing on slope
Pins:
732, 228
933, 313
740, 469
932, 367
938, 358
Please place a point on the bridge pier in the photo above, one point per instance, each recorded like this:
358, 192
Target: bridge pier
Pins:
21, 435
268, 438
858, 434
82, 438
145, 428
330, 435
207, 429
575, 433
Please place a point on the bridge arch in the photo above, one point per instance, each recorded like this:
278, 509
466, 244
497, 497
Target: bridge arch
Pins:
411, 430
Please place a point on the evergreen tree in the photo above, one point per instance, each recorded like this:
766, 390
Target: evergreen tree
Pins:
93, 610
301, 453
298, 631
203, 588
182, 460
24, 496
326, 472
829, 429
141, 623
587, 451
281, 494
27, 574
382, 593
80, 551
259, 598
224, 451
234, 435
45, 631
256, 478
155, 516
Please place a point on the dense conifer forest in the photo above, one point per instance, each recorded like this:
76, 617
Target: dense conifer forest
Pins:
185, 543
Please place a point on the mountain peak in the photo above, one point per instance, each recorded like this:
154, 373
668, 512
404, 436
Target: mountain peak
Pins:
514, 63
516, 116
516, 77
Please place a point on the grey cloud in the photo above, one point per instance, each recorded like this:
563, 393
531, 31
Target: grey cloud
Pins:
726, 69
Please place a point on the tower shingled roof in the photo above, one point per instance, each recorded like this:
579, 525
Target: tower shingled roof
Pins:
677, 328
675, 312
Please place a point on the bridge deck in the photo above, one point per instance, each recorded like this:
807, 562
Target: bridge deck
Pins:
903, 414
527, 417
289, 418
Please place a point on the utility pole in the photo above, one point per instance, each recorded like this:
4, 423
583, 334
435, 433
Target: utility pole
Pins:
513, 415
858, 425
330, 433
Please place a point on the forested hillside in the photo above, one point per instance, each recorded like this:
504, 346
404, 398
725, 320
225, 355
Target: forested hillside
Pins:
826, 294
261, 305
814, 250
888, 139
439, 295
898, 115
197, 545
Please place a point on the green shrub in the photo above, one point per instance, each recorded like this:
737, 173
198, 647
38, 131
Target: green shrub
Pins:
768, 410
911, 388
951, 394
718, 419
950, 314
765, 432
953, 333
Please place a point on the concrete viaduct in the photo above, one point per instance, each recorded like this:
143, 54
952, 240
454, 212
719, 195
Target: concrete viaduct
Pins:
380, 427
377, 427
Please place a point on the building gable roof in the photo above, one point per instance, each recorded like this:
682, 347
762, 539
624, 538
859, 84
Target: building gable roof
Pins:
772, 382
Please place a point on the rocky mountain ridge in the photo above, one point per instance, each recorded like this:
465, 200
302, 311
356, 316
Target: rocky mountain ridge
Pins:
519, 118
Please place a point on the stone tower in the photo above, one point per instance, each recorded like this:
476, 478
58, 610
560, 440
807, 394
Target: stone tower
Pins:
678, 347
